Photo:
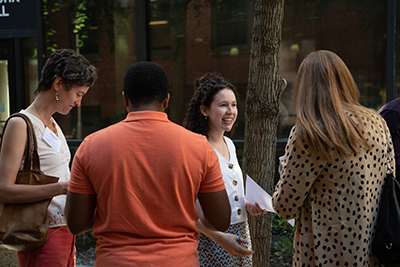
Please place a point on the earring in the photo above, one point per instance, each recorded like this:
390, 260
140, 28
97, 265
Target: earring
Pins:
206, 117
57, 97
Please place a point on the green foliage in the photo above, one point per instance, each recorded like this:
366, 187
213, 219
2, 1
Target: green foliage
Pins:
86, 239
85, 247
282, 228
85, 15
282, 241
50, 43
80, 16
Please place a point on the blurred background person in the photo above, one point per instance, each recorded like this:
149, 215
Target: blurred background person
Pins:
391, 113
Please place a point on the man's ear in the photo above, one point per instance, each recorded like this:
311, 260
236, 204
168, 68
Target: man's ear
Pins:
126, 100
203, 110
166, 101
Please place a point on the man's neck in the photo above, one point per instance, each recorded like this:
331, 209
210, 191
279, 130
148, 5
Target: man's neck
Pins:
146, 107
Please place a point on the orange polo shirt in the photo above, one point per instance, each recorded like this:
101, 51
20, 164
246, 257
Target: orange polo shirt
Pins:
146, 172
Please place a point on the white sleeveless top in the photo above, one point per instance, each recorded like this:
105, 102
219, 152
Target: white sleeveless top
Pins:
55, 164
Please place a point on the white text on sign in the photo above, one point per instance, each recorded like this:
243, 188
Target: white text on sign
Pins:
3, 12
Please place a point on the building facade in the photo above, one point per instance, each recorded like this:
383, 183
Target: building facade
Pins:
189, 38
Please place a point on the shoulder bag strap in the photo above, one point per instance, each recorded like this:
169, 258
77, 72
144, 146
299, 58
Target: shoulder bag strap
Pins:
31, 156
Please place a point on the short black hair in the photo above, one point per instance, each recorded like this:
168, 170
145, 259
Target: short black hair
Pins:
73, 68
145, 83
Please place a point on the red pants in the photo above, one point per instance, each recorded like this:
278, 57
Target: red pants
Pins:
59, 251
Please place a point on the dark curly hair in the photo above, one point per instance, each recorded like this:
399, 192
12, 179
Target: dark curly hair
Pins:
73, 68
206, 88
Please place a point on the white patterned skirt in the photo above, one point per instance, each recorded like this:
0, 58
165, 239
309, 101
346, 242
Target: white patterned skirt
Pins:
212, 254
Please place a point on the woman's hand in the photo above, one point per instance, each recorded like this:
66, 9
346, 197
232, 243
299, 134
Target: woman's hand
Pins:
63, 188
230, 243
227, 241
254, 209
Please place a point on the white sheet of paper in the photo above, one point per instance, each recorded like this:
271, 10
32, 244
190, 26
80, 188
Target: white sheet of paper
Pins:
254, 193
52, 139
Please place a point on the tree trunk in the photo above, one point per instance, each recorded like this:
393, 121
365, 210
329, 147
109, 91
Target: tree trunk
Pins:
262, 110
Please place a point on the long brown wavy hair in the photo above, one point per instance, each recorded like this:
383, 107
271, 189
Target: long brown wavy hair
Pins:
324, 91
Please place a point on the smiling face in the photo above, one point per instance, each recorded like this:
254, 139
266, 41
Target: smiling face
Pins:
222, 113
70, 98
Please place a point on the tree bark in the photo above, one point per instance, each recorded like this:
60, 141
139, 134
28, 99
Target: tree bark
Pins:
262, 110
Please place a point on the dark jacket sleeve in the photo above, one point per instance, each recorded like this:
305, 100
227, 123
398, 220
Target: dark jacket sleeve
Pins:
392, 119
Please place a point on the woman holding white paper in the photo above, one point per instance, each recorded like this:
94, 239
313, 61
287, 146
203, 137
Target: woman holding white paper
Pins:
334, 167
213, 112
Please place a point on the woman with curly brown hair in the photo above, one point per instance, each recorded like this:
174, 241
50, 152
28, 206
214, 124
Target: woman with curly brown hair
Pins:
213, 112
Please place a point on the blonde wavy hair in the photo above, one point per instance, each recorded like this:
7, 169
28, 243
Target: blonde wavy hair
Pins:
324, 91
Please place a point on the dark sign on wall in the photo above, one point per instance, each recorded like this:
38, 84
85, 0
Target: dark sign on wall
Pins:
19, 18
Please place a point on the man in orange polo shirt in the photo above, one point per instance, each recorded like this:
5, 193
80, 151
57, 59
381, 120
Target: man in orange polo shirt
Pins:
135, 183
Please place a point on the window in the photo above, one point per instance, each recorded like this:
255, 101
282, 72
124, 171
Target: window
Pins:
231, 33
160, 28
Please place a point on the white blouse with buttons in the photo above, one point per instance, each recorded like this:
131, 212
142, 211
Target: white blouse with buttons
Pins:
233, 178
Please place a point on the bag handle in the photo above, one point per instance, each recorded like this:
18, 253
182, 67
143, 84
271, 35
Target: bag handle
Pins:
31, 156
